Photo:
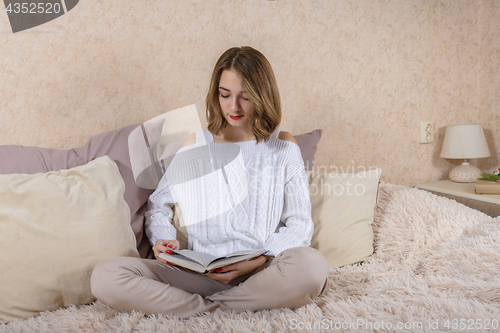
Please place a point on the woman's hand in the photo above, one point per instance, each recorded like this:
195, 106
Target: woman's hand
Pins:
230, 272
165, 246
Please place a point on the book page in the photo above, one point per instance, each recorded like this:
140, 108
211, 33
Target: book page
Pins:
234, 258
203, 259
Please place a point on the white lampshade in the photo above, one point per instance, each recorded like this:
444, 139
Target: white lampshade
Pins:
464, 141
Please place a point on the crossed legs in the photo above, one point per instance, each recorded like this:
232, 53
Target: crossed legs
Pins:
292, 279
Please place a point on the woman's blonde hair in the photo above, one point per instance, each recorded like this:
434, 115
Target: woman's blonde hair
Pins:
260, 85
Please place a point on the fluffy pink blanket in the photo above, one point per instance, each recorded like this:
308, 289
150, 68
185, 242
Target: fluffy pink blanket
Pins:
435, 268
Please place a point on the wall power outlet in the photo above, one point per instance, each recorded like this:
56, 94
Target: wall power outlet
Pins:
427, 132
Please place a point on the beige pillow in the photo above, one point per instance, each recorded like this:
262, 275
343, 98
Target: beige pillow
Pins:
342, 211
54, 228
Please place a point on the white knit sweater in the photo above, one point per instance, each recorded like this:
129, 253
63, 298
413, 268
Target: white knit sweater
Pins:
233, 197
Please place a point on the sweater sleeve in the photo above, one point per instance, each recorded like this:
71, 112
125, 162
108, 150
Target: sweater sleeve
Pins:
298, 225
159, 216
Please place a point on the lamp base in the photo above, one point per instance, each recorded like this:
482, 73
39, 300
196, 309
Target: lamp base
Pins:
465, 173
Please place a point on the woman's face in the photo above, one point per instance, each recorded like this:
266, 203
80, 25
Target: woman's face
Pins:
235, 105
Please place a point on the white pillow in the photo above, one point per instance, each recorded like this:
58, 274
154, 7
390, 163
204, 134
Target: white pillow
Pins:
54, 228
343, 207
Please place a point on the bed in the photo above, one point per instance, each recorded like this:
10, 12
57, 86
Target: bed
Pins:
402, 259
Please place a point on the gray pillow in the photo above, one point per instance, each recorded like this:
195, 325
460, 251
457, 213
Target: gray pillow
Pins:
308, 145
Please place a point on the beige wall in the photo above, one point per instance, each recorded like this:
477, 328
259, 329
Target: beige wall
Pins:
365, 71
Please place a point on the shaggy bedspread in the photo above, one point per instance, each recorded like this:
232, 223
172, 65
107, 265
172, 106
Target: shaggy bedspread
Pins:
435, 269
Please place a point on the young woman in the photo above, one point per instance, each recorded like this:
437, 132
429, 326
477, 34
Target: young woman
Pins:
243, 108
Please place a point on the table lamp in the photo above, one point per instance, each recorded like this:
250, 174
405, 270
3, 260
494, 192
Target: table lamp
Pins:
465, 141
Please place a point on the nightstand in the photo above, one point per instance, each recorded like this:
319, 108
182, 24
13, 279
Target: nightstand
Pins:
465, 194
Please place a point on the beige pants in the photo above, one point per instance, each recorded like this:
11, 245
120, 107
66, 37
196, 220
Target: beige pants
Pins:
292, 279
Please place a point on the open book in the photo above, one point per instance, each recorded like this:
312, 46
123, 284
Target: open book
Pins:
204, 263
